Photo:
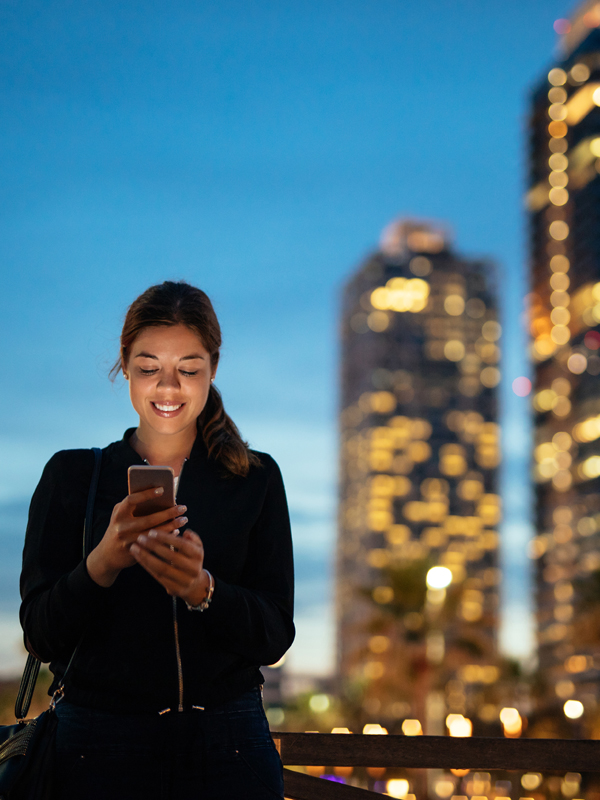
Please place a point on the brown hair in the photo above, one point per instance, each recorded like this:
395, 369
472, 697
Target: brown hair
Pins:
178, 303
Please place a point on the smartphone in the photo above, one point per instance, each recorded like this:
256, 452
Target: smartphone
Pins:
149, 477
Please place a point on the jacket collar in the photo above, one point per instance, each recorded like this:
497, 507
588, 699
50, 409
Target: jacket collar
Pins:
199, 450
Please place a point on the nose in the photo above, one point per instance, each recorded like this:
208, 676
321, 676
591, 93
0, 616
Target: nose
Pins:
169, 379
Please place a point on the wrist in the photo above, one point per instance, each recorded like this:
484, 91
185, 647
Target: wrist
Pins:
200, 599
98, 571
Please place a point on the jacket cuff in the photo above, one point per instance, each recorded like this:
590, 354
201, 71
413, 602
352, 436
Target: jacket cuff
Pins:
225, 597
81, 585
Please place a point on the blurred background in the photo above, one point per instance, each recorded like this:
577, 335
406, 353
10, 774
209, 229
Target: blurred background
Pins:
258, 150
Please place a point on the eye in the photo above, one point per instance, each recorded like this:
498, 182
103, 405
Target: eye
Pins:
188, 374
148, 371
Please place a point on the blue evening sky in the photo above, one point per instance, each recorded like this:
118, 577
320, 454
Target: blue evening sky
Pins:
255, 148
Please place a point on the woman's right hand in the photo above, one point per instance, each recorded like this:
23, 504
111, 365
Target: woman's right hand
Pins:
112, 554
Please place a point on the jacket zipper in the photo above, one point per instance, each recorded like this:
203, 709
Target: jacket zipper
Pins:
176, 628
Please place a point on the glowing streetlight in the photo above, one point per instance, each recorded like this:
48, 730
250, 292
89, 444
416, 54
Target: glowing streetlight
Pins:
512, 722
412, 727
397, 787
573, 709
374, 728
438, 578
458, 725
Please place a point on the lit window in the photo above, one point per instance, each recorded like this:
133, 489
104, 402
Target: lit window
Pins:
557, 77
558, 230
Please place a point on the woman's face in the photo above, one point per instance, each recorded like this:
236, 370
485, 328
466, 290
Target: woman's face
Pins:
169, 373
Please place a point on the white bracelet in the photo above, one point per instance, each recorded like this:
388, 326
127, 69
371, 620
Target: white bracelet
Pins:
206, 602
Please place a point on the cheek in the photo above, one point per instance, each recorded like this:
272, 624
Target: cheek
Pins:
135, 394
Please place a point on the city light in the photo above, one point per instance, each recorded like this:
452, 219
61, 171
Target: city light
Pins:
577, 363
439, 578
573, 709
444, 788
588, 430
590, 468
512, 722
319, 703
531, 780
557, 77
458, 725
521, 386
397, 787
401, 294
579, 72
412, 727
562, 26
374, 729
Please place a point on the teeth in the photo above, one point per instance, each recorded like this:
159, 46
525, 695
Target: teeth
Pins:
167, 408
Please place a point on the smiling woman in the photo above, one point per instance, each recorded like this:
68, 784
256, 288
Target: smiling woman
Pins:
162, 702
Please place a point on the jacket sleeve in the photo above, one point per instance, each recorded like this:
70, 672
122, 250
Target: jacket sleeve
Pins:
255, 617
58, 596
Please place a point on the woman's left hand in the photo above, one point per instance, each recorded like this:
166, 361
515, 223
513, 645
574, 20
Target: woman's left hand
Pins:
176, 562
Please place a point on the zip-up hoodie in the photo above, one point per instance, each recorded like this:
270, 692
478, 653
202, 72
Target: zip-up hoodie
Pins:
142, 650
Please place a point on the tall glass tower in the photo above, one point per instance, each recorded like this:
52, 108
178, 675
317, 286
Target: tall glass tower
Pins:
564, 233
419, 457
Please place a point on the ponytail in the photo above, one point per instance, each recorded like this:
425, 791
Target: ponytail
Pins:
222, 437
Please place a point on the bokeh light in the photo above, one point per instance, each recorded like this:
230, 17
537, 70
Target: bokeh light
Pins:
439, 578
521, 386
573, 709
562, 26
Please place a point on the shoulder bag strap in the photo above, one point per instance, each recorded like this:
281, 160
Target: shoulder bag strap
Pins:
32, 667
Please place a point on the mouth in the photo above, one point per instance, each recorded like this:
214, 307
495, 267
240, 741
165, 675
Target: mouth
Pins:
167, 409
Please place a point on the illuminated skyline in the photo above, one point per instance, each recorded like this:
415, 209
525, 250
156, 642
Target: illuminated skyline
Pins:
564, 206
419, 454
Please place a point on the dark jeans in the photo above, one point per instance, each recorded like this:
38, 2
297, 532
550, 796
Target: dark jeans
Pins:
222, 754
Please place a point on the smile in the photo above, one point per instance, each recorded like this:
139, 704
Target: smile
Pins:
167, 409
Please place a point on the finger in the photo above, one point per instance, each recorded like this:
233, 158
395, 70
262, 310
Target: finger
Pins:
147, 494
183, 559
130, 530
192, 536
162, 571
191, 548
160, 517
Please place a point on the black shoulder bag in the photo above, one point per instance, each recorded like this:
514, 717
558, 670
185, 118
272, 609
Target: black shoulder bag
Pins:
27, 747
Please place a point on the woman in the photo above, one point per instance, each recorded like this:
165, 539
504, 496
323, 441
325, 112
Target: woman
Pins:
163, 701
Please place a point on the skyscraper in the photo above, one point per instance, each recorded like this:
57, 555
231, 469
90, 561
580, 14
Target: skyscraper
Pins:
419, 456
564, 216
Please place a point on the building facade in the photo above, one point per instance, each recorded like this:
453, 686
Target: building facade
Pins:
564, 232
419, 454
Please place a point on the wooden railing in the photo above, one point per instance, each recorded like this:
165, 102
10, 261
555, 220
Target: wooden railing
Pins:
429, 752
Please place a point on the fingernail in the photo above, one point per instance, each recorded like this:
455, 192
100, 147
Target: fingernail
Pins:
134, 549
141, 538
182, 520
153, 533
176, 531
181, 509
159, 490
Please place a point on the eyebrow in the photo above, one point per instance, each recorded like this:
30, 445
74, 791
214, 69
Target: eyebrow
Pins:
191, 357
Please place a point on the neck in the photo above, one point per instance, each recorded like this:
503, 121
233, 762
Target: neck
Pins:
164, 451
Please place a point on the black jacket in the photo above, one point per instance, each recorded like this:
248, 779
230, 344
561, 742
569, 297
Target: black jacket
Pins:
128, 660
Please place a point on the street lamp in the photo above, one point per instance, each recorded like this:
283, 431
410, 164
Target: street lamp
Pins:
438, 578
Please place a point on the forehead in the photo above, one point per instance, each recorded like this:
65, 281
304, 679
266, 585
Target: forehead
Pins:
168, 340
